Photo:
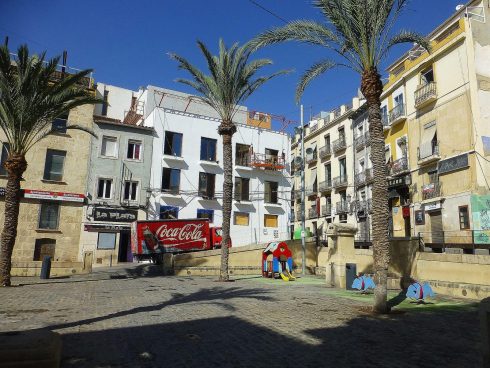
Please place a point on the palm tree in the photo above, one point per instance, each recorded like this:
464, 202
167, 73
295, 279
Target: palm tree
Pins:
231, 80
29, 101
359, 35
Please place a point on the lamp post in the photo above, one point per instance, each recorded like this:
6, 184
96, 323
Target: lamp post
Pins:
303, 225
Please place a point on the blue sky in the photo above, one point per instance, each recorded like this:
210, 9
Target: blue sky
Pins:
127, 41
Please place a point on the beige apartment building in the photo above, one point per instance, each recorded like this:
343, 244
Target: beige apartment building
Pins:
328, 166
443, 98
54, 188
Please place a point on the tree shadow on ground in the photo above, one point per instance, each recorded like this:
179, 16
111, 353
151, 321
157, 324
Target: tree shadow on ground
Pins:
411, 340
215, 295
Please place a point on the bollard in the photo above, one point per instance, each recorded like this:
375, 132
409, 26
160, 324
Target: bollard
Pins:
46, 268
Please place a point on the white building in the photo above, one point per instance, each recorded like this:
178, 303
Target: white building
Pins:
187, 171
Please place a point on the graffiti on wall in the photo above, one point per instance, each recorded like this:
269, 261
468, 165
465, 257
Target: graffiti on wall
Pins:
480, 207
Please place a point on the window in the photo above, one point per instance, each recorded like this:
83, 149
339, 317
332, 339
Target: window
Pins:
328, 173
387, 153
44, 247
242, 154
169, 212
134, 150
242, 189
105, 103
342, 133
361, 165
343, 169
104, 189
464, 218
106, 241
49, 215
384, 113
5, 155
173, 144
206, 185
130, 190
205, 214
53, 169
109, 147
208, 149
59, 124
270, 220
240, 218
270, 191
271, 154
427, 76
398, 100
171, 180
433, 177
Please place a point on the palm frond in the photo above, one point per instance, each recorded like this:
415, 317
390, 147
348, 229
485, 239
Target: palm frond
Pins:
313, 72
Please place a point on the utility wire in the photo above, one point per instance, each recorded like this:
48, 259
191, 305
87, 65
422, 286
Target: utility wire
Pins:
268, 11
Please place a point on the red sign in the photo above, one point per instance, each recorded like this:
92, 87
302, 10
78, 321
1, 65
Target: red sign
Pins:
56, 196
172, 236
406, 211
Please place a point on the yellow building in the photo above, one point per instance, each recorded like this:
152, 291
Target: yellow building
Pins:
54, 188
437, 120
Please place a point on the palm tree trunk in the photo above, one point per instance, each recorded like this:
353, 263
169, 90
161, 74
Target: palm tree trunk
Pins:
372, 87
16, 165
226, 130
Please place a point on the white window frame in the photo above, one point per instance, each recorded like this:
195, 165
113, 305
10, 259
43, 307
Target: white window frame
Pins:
389, 150
399, 153
97, 188
40, 211
141, 150
116, 148
137, 182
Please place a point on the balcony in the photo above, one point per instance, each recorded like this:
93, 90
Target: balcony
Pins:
325, 152
342, 207
338, 145
339, 182
312, 214
327, 210
362, 141
312, 191
425, 95
312, 158
428, 152
363, 177
297, 195
431, 191
385, 120
313, 128
398, 114
242, 159
399, 166
267, 162
325, 186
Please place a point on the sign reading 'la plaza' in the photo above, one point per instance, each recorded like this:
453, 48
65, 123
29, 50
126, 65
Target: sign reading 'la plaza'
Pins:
115, 214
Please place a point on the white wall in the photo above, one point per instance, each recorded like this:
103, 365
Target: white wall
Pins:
119, 101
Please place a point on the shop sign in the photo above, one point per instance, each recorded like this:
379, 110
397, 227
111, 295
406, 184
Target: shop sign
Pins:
402, 180
54, 196
105, 227
433, 206
406, 211
115, 214
452, 164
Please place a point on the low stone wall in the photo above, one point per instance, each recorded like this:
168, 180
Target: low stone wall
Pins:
33, 268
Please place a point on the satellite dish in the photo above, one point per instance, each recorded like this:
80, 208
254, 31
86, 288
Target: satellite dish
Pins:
298, 160
459, 7
309, 151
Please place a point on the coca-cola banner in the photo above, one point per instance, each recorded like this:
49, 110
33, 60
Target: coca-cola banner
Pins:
170, 236
115, 214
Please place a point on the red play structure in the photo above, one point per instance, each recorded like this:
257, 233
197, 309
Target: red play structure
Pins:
277, 260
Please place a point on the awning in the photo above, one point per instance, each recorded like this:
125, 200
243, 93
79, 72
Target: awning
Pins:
428, 134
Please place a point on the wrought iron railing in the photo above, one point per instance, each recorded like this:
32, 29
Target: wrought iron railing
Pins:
425, 93
325, 186
342, 207
431, 190
397, 112
399, 166
428, 150
339, 144
339, 181
325, 151
327, 210
312, 157
312, 213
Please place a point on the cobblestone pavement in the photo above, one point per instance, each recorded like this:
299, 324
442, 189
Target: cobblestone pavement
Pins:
133, 317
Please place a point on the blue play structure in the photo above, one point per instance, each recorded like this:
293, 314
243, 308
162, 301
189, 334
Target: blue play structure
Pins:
363, 283
419, 291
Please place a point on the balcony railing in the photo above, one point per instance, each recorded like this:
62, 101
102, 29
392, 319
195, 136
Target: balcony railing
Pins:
363, 207
267, 161
327, 210
325, 151
313, 128
397, 114
342, 207
339, 181
297, 194
399, 166
386, 122
362, 140
312, 213
428, 152
363, 177
432, 190
425, 94
339, 144
312, 158
311, 191
325, 186
336, 113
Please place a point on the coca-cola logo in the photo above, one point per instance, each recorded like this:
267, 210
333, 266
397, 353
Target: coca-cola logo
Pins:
187, 232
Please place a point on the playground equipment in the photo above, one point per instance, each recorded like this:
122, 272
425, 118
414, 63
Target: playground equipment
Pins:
420, 292
363, 283
277, 261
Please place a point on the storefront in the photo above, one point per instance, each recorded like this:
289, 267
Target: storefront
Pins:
399, 202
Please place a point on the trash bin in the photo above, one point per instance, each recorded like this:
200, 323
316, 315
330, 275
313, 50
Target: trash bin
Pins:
46, 267
350, 275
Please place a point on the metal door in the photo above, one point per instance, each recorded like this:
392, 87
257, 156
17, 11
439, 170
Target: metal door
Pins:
437, 233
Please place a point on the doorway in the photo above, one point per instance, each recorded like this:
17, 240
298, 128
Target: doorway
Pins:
125, 254
437, 232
